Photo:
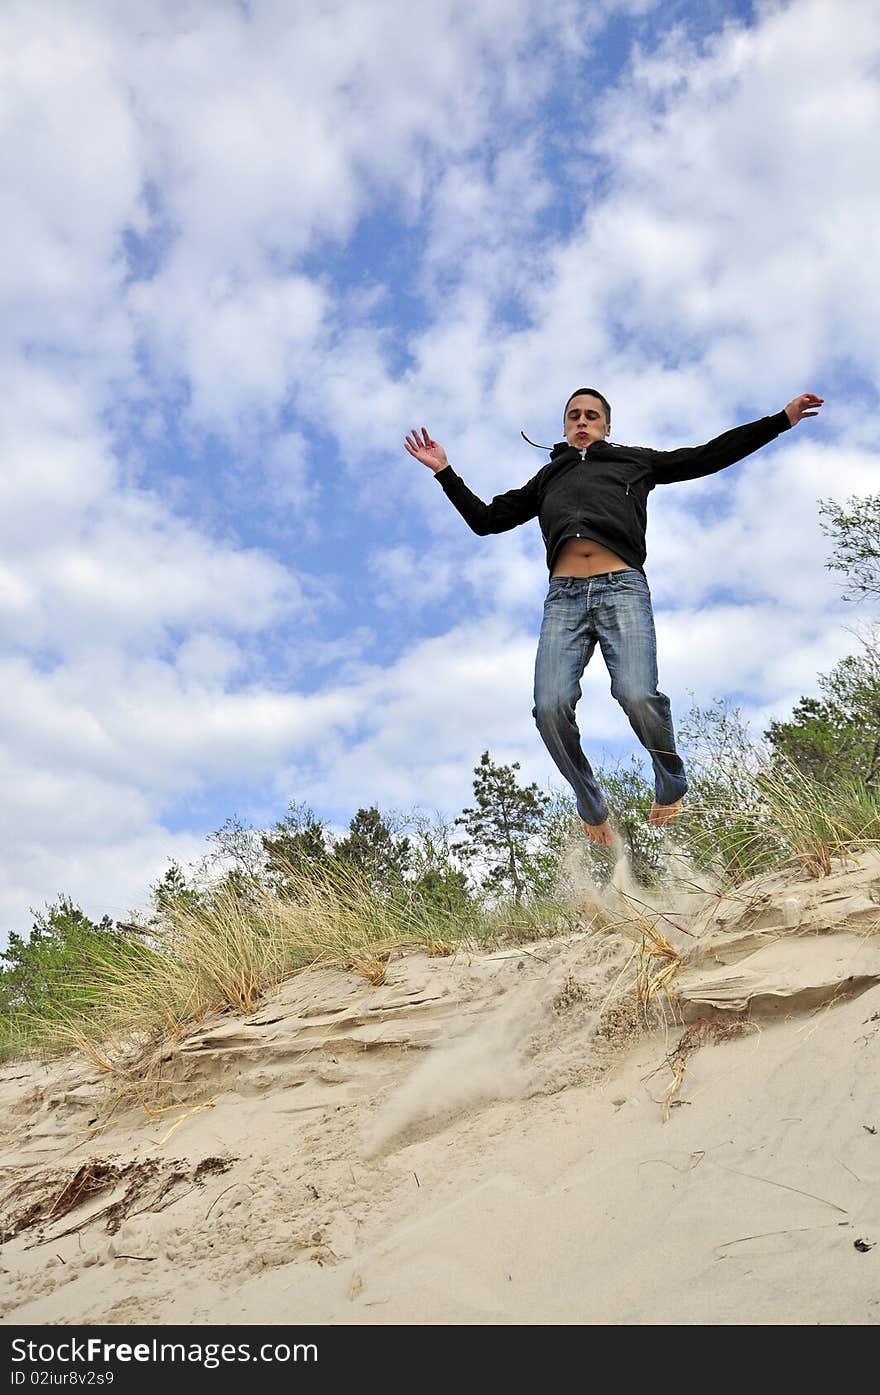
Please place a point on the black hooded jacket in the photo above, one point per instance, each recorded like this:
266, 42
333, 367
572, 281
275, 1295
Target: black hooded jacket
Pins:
602, 493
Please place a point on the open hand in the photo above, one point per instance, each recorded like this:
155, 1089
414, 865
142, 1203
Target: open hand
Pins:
807, 405
423, 448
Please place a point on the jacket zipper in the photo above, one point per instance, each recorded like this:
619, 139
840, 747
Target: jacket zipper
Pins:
583, 456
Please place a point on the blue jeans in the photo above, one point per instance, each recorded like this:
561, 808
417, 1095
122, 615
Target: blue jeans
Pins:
615, 610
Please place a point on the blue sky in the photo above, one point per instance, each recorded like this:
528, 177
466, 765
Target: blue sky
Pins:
246, 248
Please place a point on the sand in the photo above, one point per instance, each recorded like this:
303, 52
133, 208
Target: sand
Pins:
486, 1139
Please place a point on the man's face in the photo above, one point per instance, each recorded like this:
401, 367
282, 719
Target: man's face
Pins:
585, 421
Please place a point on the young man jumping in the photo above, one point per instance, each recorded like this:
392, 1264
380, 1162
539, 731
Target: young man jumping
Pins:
591, 501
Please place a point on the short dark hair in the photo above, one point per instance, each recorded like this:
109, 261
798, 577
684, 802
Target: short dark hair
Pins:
590, 392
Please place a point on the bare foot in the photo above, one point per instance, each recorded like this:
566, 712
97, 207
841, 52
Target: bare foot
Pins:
601, 833
664, 813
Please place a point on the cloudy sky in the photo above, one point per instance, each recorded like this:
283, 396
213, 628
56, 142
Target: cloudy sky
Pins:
246, 246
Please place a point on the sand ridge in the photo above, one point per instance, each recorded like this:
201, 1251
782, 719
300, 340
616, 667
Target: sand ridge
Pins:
469, 1143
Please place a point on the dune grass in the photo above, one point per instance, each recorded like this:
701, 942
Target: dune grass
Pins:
224, 955
818, 825
784, 818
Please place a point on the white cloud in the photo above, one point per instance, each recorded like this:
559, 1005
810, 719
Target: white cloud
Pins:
760, 649
71, 830
172, 180
760, 535
71, 182
57, 461
409, 578
261, 132
131, 578
750, 231
155, 726
421, 722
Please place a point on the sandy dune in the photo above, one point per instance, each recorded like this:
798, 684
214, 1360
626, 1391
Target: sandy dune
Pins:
483, 1140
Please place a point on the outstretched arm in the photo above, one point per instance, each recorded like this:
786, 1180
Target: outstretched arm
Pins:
693, 462
505, 511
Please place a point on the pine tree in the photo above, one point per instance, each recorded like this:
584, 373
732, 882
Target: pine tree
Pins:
505, 818
52, 969
372, 850
297, 846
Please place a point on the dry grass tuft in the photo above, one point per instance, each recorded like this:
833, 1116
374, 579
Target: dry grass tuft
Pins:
373, 967
224, 955
43, 1199
439, 949
641, 998
701, 1033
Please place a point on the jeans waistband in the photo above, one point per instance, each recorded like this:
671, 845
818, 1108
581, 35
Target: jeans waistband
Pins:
613, 578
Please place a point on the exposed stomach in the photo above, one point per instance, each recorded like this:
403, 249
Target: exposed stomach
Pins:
584, 557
